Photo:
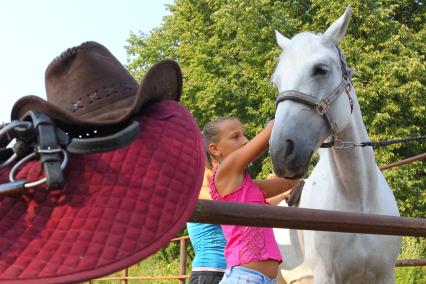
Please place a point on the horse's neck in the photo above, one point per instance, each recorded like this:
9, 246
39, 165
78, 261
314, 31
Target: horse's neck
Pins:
354, 170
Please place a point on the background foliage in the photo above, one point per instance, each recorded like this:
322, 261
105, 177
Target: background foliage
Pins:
227, 52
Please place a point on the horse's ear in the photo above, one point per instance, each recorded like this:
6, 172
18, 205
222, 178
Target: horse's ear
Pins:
282, 40
338, 29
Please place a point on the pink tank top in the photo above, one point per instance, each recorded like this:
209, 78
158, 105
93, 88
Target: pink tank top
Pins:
246, 244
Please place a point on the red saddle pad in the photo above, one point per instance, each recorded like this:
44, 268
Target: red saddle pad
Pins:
116, 208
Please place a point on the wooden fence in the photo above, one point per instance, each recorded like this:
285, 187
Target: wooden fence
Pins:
182, 276
297, 218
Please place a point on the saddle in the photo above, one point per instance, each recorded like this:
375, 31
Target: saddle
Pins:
101, 175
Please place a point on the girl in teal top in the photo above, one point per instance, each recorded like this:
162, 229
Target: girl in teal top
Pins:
209, 242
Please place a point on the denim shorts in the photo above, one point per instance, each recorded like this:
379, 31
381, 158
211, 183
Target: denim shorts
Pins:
242, 275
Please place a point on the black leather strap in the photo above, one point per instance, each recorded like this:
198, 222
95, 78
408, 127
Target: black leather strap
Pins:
47, 148
296, 193
13, 187
111, 142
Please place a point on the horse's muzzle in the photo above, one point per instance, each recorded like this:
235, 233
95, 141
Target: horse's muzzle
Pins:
290, 159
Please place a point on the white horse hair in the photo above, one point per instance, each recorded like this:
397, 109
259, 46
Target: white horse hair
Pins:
342, 180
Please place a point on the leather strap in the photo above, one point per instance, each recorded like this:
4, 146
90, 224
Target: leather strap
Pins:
322, 105
47, 148
13, 187
111, 142
296, 193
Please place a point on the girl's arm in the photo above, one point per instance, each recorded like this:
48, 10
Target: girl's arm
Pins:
230, 172
205, 193
275, 200
241, 158
205, 187
275, 186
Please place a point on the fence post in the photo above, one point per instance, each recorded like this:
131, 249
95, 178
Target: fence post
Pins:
182, 259
124, 275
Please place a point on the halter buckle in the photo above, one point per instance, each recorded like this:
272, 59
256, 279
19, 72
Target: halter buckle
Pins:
322, 107
348, 88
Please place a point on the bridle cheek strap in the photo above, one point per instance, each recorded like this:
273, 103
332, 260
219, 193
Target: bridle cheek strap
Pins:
322, 105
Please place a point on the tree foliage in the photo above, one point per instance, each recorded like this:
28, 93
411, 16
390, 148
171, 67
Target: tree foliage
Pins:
227, 52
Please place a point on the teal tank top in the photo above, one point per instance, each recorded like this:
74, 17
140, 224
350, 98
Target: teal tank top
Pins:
208, 242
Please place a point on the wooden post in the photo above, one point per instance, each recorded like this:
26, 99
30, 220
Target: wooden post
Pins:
182, 260
124, 274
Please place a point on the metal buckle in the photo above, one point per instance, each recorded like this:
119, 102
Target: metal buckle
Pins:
345, 144
49, 150
348, 88
322, 107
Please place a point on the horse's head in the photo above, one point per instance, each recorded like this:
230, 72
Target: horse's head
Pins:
310, 77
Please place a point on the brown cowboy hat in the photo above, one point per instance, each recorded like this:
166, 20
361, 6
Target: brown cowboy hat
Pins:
84, 81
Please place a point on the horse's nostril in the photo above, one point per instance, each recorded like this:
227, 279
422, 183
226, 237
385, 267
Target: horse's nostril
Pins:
289, 148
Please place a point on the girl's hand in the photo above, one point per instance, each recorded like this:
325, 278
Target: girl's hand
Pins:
275, 186
286, 195
275, 200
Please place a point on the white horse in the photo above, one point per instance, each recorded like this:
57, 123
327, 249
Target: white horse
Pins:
317, 103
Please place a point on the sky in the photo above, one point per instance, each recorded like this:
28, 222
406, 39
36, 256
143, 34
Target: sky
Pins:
33, 33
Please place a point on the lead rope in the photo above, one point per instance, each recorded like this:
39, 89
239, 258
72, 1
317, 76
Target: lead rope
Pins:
347, 145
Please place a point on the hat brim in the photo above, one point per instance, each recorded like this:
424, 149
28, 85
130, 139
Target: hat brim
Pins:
163, 81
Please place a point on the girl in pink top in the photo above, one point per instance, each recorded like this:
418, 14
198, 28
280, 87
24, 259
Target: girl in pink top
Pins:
251, 253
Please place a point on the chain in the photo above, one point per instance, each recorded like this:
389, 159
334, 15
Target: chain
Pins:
347, 145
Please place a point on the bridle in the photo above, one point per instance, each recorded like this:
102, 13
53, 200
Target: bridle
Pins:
322, 105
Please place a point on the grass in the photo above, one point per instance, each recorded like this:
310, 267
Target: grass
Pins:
412, 248
410, 275
152, 266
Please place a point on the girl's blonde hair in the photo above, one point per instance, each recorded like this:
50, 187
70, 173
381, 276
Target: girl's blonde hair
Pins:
211, 135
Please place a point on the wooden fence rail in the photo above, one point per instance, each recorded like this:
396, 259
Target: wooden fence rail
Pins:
404, 162
259, 215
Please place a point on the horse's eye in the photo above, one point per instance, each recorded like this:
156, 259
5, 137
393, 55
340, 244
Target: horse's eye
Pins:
319, 69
